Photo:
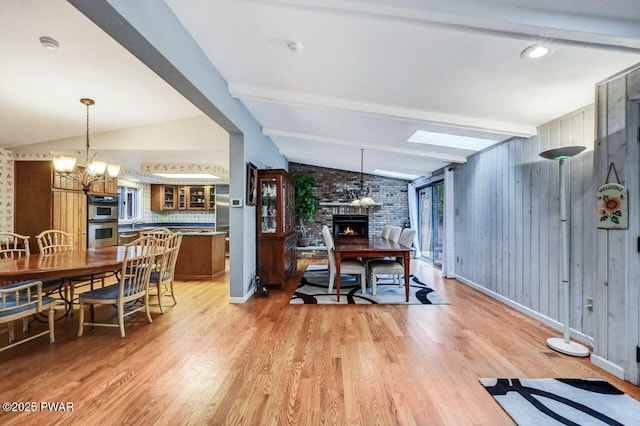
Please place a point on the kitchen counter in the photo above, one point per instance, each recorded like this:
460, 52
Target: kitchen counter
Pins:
177, 226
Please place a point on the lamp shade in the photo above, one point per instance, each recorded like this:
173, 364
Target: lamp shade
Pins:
113, 170
64, 164
562, 153
97, 168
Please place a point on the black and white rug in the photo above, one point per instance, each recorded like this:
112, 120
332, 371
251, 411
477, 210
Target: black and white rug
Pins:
315, 283
563, 401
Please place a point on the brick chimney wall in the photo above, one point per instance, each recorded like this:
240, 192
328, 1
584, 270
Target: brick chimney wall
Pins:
336, 185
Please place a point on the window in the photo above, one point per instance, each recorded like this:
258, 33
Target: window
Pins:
127, 203
431, 217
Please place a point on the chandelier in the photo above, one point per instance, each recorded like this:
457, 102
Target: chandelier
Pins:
362, 194
92, 171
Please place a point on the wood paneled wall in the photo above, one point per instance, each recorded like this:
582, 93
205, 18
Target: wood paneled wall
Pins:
507, 204
617, 294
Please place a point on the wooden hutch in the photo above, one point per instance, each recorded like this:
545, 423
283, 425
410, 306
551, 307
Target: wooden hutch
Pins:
276, 232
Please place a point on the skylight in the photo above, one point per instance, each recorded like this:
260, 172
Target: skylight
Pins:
451, 141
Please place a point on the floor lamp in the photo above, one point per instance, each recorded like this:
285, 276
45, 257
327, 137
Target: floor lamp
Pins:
565, 345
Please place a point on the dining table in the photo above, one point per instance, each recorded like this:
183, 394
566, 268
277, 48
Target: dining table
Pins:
66, 264
90, 263
373, 247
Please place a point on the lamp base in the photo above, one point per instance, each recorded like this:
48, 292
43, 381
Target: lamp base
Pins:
571, 348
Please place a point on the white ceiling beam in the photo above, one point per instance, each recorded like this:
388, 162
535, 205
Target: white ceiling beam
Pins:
505, 130
438, 156
299, 155
500, 19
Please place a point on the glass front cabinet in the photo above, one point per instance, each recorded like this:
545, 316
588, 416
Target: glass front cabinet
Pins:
277, 256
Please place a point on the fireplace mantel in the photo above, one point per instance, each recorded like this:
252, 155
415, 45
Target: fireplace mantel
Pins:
341, 207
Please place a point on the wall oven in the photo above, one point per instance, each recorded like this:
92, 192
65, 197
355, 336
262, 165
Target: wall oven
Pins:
102, 207
102, 221
102, 234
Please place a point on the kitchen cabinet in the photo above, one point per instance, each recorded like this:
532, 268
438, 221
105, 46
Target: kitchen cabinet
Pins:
45, 200
184, 197
277, 257
163, 197
197, 198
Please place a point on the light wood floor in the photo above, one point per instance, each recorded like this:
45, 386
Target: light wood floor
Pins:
206, 361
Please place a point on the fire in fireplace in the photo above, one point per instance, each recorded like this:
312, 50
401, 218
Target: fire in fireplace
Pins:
351, 227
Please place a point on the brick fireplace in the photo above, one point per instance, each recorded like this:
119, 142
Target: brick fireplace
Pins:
350, 227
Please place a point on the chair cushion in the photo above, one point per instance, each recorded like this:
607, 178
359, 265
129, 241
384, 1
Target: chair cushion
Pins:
18, 284
108, 292
351, 267
28, 306
386, 267
156, 275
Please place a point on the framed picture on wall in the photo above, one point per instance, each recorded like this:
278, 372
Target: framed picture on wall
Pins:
252, 184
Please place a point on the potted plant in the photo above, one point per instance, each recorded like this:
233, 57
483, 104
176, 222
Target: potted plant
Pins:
305, 205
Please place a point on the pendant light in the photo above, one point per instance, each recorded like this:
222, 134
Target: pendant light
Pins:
363, 199
93, 171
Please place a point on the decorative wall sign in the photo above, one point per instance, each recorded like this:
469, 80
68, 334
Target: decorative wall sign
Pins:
613, 212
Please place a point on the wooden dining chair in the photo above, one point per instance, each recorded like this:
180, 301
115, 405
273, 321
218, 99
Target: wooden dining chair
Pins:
131, 293
162, 277
21, 300
161, 234
54, 241
13, 245
347, 266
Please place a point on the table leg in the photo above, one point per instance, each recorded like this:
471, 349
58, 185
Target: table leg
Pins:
407, 268
338, 259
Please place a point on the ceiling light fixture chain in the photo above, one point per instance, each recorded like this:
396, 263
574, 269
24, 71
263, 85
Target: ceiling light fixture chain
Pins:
362, 195
93, 171
363, 191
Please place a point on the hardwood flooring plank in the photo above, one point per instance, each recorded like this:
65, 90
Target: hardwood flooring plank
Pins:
267, 362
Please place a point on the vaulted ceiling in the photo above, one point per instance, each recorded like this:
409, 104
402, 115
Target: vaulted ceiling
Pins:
326, 78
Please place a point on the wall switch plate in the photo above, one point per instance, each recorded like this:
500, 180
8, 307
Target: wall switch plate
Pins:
589, 304
236, 202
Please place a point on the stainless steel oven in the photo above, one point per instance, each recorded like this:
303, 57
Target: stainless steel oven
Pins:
102, 234
102, 207
102, 221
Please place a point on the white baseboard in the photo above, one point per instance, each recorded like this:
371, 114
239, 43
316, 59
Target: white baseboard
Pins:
244, 298
608, 366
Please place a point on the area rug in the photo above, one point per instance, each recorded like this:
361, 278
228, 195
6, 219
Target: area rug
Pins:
563, 401
315, 283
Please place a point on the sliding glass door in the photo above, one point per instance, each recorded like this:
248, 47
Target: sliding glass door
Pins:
431, 216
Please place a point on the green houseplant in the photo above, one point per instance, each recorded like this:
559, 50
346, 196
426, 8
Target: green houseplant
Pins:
305, 205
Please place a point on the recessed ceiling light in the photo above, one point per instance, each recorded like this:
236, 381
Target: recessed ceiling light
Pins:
187, 175
295, 46
451, 141
535, 51
49, 43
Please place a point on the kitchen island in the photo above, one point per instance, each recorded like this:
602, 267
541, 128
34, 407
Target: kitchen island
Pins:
201, 255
